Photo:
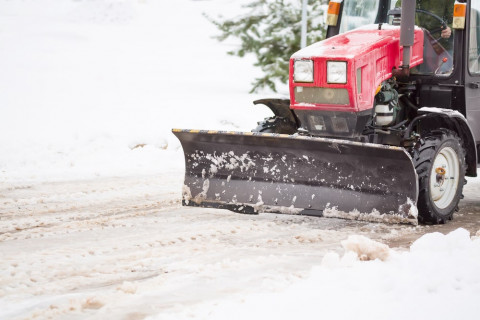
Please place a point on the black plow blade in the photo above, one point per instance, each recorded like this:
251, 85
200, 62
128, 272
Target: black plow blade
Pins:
262, 172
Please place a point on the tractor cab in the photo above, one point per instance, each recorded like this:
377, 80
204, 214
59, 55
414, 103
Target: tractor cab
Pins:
433, 17
445, 42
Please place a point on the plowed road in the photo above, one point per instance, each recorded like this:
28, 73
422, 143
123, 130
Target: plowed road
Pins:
98, 248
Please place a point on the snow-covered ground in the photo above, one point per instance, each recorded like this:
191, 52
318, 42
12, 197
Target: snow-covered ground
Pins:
85, 82
90, 179
124, 248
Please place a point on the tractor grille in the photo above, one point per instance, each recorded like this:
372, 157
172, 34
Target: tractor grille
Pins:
321, 95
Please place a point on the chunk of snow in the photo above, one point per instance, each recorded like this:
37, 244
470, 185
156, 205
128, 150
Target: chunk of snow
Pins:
127, 287
365, 248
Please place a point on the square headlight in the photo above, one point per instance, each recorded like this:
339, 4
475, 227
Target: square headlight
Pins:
303, 71
336, 71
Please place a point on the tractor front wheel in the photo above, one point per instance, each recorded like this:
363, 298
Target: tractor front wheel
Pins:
440, 165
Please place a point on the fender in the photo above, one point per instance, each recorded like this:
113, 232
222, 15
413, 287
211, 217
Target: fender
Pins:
431, 118
279, 107
283, 121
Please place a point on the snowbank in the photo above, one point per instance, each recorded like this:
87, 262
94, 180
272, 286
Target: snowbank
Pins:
437, 279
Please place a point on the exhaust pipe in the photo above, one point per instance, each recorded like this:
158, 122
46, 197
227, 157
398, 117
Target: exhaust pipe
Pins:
407, 33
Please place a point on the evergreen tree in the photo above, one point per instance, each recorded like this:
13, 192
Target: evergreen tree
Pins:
272, 31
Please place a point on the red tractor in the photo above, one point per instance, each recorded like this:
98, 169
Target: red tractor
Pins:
382, 122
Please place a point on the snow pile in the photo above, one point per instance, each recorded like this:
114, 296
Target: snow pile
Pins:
438, 270
127, 287
365, 248
375, 215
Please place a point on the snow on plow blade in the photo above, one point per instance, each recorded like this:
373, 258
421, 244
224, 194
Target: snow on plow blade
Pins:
264, 172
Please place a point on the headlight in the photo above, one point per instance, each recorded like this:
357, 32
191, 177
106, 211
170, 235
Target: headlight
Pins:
336, 72
303, 71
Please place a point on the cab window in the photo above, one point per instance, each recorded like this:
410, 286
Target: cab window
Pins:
357, 13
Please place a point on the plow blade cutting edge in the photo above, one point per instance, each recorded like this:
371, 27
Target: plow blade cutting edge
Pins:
263, 172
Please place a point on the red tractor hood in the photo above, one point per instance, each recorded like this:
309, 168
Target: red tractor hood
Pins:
370, 54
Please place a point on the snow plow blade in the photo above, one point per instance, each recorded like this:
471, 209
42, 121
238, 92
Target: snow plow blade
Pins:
263, 172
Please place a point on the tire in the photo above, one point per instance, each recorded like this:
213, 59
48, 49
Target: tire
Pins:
440, 165
276, 125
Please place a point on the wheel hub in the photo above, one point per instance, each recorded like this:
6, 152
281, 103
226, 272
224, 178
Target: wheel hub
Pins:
444, 177
440, 171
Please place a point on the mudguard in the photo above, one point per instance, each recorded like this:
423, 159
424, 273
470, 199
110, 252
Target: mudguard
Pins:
262, 172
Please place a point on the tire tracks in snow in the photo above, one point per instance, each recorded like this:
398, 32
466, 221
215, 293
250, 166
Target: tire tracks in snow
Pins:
47, 207
113, 247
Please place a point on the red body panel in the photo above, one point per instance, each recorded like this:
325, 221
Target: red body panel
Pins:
377, 52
